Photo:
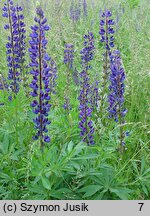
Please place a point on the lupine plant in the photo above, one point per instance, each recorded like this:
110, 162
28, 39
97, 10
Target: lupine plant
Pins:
16, 43
116, 97
41, 76
68, 60
86, 124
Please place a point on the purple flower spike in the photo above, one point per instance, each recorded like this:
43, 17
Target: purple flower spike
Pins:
16, 43
85, 111
106, 29
75, 11
87, 53
116, 97
107, 39
41, 72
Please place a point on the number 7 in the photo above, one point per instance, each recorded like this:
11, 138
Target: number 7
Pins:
141, 206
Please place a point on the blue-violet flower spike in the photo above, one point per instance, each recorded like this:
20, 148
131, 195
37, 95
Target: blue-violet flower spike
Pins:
40, 84
86, 124
116, 97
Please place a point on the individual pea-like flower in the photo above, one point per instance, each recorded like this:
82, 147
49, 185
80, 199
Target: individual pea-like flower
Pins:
40, 84
16, 45
116, 97
68, 60
86, 124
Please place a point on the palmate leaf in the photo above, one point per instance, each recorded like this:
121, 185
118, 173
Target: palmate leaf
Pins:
109, 186
142, 175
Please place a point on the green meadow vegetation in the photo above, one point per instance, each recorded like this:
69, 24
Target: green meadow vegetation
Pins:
67, 168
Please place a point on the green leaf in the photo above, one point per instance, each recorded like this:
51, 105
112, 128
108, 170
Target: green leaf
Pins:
70, 146
135, 167
75, 165
99, 196
92, 156
143, 165
121, 193
90, 190
46, 183
5, 144
146, 171
4, 176
145, 189
60, 193
15, 155
36, 189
